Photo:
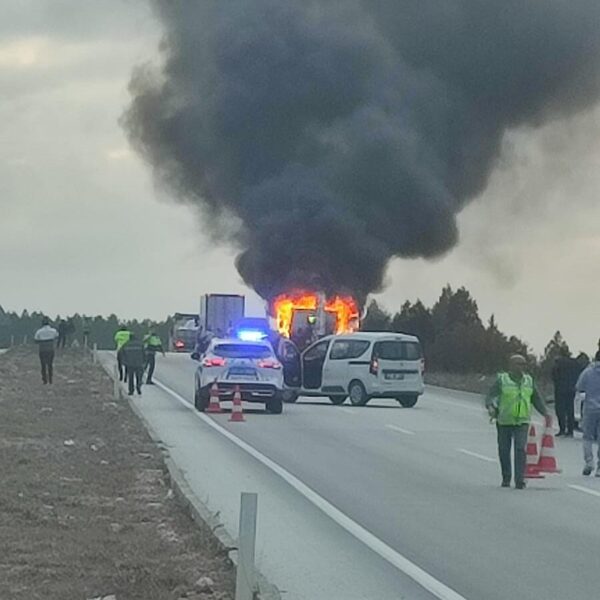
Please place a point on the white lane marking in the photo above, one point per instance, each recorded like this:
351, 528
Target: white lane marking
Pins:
348, 411
476, 455
586, 490
424, 579
396, 428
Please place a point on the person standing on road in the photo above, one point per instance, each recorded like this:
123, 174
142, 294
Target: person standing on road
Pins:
121, 338
509, 402
564, 377
589, 384
133, 357
152, 345
45, 338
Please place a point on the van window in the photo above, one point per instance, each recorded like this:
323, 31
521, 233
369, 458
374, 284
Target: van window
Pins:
348, 349
318, 351
396, 350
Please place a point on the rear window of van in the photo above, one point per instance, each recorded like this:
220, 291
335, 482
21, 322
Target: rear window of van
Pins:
397, 350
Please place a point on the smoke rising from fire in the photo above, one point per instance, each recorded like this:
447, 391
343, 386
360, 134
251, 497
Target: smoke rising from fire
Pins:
326, 137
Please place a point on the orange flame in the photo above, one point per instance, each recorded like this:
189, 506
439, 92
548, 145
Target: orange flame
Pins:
344, 307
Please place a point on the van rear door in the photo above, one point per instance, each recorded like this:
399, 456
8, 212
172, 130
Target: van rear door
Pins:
399, 364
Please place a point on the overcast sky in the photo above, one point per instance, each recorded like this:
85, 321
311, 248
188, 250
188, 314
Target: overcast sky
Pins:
83, 229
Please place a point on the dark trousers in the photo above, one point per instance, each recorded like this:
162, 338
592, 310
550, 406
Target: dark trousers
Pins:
506, 435
121, 366
150, 364
565, 410
134, 379
47, 361
62, 341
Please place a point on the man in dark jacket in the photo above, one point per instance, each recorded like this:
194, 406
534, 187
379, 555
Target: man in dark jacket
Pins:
134, 359
564, 376
62, 334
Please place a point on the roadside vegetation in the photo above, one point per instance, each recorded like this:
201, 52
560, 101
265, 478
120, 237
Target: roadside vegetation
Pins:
461, 351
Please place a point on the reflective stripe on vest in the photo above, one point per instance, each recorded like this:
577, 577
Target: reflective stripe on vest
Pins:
515, 400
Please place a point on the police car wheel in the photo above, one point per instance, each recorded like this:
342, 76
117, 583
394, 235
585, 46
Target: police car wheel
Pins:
201, 400
275, 405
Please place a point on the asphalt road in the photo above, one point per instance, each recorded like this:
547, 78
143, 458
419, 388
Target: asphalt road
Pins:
425, 482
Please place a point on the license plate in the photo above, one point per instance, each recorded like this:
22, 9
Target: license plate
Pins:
394, 376
241, 373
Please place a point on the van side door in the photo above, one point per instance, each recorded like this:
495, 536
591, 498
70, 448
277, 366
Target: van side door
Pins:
313, 361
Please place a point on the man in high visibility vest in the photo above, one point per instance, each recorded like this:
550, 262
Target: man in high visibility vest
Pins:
509, 402
122, 336
152, 345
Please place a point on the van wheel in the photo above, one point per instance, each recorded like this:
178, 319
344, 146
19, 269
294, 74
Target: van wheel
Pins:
408, 401
338, 399
275, 405
358, 394
201, 399
290, 396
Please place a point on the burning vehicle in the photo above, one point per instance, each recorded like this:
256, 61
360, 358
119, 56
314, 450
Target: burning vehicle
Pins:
303, 316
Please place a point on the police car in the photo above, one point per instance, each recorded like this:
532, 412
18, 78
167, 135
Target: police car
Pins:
250, 364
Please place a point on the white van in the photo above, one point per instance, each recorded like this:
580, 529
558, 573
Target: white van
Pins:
363, 366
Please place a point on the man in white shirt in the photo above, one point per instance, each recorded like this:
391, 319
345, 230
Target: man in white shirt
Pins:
45, 338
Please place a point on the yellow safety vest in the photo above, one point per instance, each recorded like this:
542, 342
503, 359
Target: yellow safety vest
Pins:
514, 404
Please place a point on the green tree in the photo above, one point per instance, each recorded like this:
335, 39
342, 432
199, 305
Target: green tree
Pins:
376, 319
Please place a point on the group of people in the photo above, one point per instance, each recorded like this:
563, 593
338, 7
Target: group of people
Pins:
134, 356
513, 396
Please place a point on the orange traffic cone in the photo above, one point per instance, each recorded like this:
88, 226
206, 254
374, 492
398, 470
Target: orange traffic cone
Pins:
214, 406
532, 470
237, 412
547, 462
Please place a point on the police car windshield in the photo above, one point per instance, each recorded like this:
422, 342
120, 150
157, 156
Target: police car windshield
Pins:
234, 350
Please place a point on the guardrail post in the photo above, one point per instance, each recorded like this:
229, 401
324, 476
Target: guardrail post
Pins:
95, 353
245, 584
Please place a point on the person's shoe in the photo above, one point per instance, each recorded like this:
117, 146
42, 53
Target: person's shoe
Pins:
150, 382
569, 434
139, 392
587, 470
130, 393
560, 434
521, 485
505, 484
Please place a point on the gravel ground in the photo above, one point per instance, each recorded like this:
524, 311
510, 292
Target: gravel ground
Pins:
85, 506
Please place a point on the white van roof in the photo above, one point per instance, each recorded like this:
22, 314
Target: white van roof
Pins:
375, 336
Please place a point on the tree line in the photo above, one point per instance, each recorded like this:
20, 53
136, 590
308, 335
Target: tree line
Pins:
19, 328
455, 339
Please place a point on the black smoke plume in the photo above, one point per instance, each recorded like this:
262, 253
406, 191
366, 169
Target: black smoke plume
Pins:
328, 136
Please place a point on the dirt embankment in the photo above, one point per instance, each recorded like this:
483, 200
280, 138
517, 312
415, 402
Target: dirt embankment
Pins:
85, 506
